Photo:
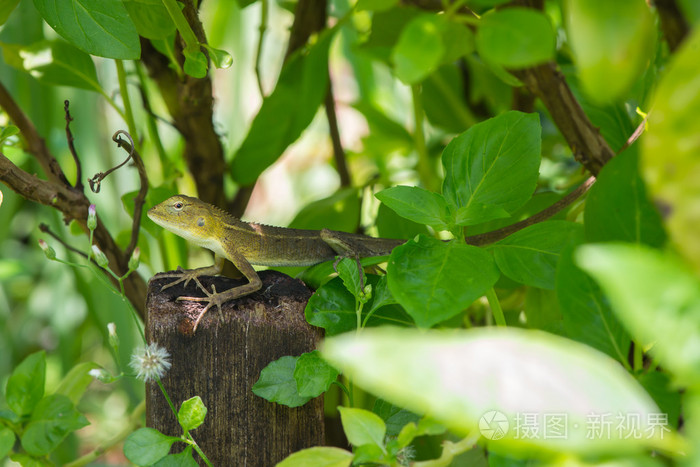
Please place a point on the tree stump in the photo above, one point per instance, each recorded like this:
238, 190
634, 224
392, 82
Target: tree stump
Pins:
222, 360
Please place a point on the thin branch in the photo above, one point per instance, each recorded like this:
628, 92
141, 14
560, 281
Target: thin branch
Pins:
258, 52
71, 147
35, 143
140, 199
338, 151
494, 236
47, 230
143, 179
637, 133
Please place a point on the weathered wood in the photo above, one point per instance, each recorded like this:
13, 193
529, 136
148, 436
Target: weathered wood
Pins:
221, 362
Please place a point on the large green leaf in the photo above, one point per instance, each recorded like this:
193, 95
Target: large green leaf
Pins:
53, 419
603, 46
494, 163
515, 37
586, 313
362, 426
6, 8
101, 28
419, 49
319, 457
461, 377
435, 280
617, 207
671, 150
54, 62
657, 299
419, 205
150, 18
530, 256
286, 112
147, 446
332, 308
25, 386
277, 383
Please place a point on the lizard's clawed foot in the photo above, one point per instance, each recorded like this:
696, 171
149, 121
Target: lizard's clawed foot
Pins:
212, 299
183, 275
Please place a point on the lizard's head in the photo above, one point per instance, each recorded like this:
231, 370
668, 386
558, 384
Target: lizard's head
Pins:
185, 216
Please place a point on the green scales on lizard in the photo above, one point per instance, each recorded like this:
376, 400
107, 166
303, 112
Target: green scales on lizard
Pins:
248, 243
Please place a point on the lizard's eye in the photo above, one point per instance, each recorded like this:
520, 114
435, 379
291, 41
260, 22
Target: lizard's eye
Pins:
178, 205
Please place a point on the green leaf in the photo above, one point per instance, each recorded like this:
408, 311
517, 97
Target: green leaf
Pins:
515, 37
349, 273
603, 46
395, 418
458, 41
191, 414
460, 376
8, 132
477, 213
101, 28
6, 9
286, 112
670, 162
75, 383
530, 256
313, 375
53, 418
362, 426
181, 459
196, 63
631, 217
419, 49
319, 457
277, 383
7, 441
25, 386
586, 313
147, 446
391, 225
494, 163
55, 63
418, 205
656, 298
332, 308
434, 280
668, 398
151, 19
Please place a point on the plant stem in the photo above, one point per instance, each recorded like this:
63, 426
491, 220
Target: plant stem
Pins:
153, 134
124, 91
181, 24
496, 309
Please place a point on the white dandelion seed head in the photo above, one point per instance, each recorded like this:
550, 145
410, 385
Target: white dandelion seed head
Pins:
151, 362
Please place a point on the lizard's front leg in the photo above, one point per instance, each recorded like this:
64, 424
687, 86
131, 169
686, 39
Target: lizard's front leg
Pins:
186, 275
219, 298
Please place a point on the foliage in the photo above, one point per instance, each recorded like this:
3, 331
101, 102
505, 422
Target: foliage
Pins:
523, 320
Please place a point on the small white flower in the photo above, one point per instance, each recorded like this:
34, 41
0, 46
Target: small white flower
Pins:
112, 329
92, 218
150, 363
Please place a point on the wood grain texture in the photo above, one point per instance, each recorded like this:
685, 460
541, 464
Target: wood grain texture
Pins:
223, 359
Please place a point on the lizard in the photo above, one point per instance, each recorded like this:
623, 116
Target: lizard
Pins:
247, 243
